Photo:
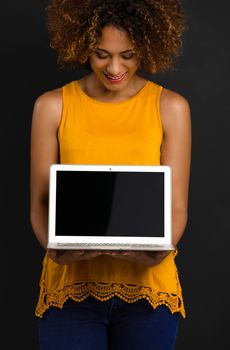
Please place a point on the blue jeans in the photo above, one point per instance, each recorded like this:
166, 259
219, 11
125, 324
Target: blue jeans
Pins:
108, 325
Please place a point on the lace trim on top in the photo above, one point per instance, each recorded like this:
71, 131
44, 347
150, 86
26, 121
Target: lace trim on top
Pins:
105, 291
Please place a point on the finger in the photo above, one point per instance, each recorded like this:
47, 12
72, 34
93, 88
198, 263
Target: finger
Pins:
111, 252
162, 254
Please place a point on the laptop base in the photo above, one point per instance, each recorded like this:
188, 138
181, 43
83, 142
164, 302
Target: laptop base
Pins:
104, 246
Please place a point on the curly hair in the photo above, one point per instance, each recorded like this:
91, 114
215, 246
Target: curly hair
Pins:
154, 27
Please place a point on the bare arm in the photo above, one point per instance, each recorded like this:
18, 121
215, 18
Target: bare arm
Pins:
44, 152
176, 152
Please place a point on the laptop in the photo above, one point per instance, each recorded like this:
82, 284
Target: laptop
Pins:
124, 207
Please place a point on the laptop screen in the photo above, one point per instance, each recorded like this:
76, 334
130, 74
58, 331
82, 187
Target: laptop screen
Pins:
104, 203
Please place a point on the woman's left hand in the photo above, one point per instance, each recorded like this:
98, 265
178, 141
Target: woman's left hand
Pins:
148, 258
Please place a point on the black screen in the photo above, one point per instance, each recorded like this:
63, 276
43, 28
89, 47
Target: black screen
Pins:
110, 204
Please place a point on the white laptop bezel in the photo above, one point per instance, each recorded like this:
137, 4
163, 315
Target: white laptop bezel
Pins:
100, 240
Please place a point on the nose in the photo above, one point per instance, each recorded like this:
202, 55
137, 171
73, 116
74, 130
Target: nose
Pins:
114, 67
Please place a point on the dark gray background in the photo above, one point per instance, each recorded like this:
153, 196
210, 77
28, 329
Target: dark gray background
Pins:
28, 68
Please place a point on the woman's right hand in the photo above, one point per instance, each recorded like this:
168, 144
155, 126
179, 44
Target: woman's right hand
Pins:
64, 257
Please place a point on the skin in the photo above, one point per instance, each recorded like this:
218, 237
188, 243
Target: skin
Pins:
114, 56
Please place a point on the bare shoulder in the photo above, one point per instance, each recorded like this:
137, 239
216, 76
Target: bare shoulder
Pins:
175, 109
48, 107
171, 100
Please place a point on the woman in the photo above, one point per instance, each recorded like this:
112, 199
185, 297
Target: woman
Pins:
111, 300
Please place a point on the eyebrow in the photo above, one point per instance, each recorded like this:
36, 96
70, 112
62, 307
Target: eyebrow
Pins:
126, 51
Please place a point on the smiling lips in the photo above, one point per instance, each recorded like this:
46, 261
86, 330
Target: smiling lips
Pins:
115, 80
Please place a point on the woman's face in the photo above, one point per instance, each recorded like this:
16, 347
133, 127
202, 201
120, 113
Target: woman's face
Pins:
114, 61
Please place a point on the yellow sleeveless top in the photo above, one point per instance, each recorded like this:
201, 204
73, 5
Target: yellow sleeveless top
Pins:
128, 133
